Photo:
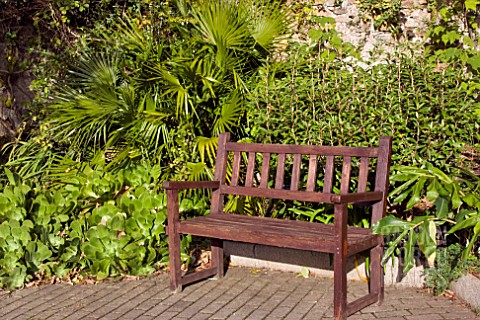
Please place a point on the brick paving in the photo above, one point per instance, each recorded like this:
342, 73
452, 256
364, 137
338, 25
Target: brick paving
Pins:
242, 294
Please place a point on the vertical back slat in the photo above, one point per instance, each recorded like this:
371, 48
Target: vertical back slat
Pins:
280, 171
346, 169
297, 162
312, 173
363, 175
216, 206
381, 176
237, 156
250, 169
328, 181
265, 170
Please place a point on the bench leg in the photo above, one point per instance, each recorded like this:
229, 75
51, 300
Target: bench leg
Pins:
217, 257
340, 287
376, 284
175, 262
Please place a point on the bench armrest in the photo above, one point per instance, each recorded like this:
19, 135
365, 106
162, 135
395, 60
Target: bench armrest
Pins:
360, 197
177, 185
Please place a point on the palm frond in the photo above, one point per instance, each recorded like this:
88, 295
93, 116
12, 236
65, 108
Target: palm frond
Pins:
230, 113
223, 24
199, 171
269, 22
94, 71
208, 146
173, 88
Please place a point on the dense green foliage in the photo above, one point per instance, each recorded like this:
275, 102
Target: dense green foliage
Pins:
98, 223
151, 91
143, 88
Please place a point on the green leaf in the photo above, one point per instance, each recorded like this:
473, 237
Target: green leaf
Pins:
474, 61
472, 241
427, 241
409, 248
392, 246
390, 225
416, 193
467, 223
10, 176
17, 277
315, 34
442, 207
471, 5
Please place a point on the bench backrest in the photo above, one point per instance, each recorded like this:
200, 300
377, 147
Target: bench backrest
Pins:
251, 171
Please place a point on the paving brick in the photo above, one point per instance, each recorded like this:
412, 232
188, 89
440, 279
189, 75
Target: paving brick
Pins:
424, 317
459, 315
358, 316
387, 314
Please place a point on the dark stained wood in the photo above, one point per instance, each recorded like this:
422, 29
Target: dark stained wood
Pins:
220, 174
279, 194
280, 233
361, 303
340, 262
174, 241
237, 157
338, 239
312, 173
265, 170
177, 185
381, 176
280, 171
363, 175
198, 275
297, 162
217, 256
346, 170
376, 284
329, 174
295, 149
250, 169
372, 196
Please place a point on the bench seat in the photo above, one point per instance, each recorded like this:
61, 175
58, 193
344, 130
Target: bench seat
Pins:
292, 234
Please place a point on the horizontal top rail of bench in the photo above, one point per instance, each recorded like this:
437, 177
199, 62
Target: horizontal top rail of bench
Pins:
296, 149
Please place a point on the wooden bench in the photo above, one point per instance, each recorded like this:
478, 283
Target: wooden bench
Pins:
235, 177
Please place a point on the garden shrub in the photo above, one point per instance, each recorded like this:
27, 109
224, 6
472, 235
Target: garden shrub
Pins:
97, 224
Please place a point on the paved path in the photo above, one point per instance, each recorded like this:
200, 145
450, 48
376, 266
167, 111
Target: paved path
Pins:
242, 294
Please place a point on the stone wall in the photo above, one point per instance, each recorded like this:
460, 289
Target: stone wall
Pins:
360, 31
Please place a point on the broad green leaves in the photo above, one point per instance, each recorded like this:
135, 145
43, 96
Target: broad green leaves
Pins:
448, 199
100, 223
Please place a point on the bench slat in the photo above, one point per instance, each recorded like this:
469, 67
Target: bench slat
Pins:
346, 169
328, 181
297, 161
250, 169
280, 171
293, 149
237, 157
312, 173
265, 170
363, 175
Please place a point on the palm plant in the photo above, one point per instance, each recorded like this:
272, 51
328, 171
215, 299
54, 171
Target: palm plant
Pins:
165, 101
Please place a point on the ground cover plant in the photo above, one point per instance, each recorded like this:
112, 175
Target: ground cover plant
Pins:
146, 88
